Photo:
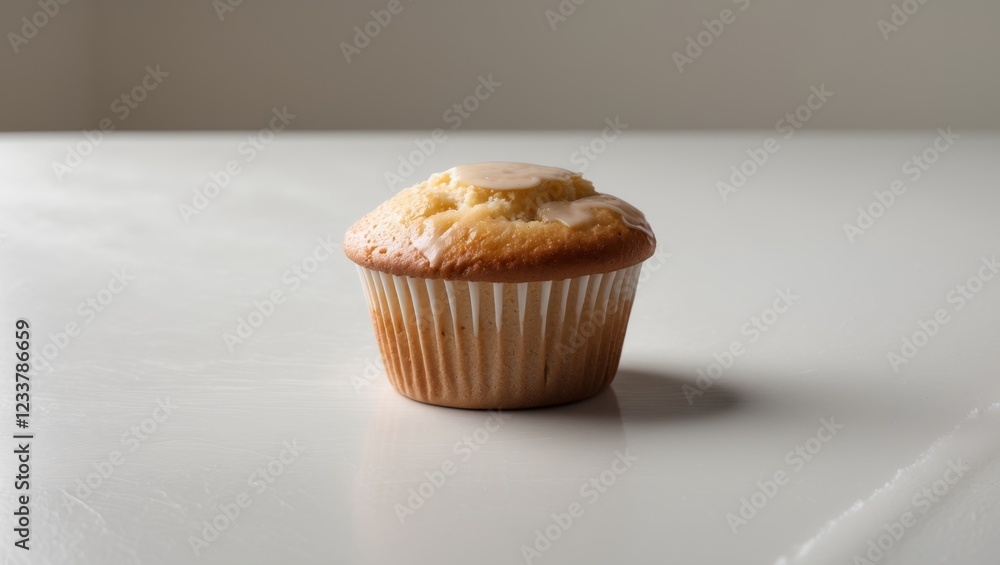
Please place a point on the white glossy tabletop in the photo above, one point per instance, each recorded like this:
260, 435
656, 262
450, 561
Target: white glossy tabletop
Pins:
207, 387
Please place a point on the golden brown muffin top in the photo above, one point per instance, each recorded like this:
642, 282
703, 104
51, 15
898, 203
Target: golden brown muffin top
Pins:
501, 222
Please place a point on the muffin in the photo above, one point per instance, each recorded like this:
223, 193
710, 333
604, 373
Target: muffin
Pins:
500, 285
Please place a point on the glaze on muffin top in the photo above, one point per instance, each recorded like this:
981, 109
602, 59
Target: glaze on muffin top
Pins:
501, 222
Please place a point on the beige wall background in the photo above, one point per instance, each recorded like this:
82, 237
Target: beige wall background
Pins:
230, 62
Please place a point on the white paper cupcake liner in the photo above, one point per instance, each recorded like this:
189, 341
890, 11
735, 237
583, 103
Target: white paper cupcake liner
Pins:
500, 345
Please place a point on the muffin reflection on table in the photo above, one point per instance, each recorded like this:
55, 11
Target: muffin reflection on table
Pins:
500, 285
428, 476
